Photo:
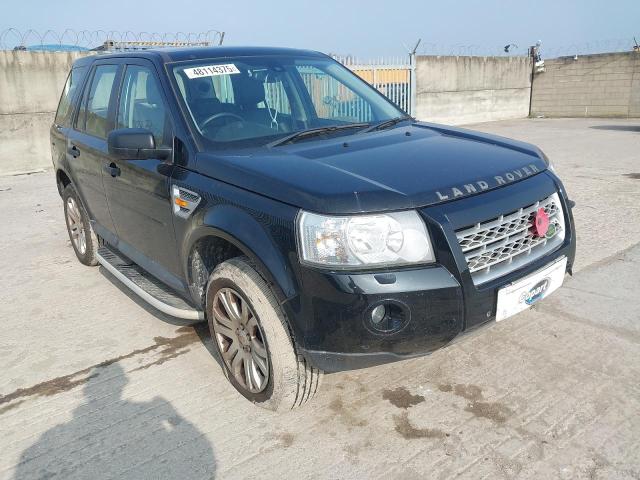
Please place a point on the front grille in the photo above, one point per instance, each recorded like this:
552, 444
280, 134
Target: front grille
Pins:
500, 245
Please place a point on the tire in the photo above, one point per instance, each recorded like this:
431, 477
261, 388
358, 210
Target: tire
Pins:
289, 381
81, 234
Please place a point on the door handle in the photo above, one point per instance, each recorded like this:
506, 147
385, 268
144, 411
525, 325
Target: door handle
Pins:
74, 151
112, 169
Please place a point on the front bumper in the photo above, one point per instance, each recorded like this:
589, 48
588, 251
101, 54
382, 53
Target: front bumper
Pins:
440, 301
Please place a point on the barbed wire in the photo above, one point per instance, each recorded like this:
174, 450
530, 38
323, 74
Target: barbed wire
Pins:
70, 39
602, 46
512, 49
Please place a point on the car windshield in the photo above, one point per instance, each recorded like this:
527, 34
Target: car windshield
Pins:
253, 101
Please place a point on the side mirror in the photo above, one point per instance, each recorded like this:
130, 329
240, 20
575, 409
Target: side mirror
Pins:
135, 144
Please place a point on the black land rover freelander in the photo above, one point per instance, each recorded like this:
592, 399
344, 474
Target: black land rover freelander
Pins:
312, 223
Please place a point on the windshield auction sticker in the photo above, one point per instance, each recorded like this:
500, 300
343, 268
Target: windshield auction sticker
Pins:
211, 70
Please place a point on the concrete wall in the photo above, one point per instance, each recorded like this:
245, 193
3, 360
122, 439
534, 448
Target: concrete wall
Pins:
30, 87
604, 85
458, 90
454, 90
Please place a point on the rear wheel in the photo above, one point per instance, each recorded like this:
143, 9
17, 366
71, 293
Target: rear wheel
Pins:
253, 340
83, 240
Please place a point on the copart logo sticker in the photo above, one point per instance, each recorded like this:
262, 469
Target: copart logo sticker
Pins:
536, 293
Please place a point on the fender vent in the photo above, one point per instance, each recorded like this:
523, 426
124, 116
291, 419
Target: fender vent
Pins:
184, 201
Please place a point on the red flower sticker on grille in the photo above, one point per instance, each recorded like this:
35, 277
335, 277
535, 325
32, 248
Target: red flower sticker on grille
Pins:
540, 223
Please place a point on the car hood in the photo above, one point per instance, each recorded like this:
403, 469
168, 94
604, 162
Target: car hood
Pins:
405, 167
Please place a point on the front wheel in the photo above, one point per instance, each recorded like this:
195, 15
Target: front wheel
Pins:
253, 341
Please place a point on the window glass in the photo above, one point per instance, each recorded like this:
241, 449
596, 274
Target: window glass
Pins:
252, 101
64, 106
94, 112
275, 97
333, 99
141, 104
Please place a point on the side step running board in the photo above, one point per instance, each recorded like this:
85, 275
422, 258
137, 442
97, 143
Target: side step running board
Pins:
146, 287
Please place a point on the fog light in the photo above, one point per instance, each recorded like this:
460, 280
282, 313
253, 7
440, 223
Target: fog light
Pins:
378, 314
387, 318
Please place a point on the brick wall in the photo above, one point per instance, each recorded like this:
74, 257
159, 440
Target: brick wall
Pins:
603, 85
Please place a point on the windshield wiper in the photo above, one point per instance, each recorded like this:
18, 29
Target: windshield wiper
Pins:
387, 123
312, 132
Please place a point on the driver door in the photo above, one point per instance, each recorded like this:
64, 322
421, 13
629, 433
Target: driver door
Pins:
138, 191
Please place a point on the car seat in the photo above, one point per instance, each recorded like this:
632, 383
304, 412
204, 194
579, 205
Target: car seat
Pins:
150, 112
249, 92
202, 99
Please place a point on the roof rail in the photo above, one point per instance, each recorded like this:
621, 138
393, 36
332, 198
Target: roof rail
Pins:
112, 45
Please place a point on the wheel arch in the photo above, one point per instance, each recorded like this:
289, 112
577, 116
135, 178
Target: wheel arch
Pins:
227, 231
62, 180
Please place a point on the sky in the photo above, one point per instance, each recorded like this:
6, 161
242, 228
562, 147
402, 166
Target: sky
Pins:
366, 29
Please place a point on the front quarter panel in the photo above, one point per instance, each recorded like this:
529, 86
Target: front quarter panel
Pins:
261, 228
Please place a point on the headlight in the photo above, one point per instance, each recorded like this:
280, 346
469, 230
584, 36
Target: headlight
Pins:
364, 240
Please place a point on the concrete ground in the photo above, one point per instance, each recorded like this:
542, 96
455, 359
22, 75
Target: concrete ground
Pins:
96, 384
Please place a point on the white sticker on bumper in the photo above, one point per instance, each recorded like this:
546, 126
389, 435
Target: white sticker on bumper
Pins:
520, 295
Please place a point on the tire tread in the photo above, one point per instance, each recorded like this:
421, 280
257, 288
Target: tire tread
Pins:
91, 255
304, 384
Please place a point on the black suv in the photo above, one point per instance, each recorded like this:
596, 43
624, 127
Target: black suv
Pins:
312, 223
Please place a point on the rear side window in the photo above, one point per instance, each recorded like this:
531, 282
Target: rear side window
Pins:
94, 110
74, 80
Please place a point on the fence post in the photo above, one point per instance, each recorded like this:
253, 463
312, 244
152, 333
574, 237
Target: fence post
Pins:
412, 84
533, 54
374, 76
412, 80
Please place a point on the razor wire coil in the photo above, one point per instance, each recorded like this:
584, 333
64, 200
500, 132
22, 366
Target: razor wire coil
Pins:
70, 39
522, 49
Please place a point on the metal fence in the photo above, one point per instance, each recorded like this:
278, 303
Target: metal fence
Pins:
82, 40
395, 77
390, 76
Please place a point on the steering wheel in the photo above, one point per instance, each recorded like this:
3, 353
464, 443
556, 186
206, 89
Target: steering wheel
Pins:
216, 116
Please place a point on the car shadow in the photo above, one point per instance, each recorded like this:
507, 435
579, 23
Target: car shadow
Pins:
110, 436
620, 128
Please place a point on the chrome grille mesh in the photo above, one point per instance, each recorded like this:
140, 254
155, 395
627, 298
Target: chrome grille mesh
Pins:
184, 201
503, 244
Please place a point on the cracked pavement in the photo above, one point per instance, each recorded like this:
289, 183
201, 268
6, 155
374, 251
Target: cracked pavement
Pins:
94, 383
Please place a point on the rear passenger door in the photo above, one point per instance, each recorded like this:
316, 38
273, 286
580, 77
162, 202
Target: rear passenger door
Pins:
139, 193
86, 147
64, 115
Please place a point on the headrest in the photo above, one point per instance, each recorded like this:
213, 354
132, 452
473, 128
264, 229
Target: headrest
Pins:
153, 94
248, 91
202, 88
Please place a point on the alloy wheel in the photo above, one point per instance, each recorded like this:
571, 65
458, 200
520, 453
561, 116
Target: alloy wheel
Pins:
76, 226
240, 340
